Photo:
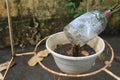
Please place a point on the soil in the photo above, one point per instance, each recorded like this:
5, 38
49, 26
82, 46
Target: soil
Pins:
74, 50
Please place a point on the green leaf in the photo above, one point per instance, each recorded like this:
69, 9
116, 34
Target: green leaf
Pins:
72, 10
118, 17
77, 3
17, 1
69, 4
83, 10
76, 15
101, 2
109, 7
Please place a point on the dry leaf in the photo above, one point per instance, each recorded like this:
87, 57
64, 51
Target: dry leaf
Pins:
70, 52
101, 58
33, 61
1, 76
85, 53
43, 53
3, 66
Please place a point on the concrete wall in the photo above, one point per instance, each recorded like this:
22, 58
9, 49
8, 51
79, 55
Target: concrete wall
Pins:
41, 8
34, 19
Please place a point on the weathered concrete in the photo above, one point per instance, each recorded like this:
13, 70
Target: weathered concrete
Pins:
21, 71
34, 19
40, 8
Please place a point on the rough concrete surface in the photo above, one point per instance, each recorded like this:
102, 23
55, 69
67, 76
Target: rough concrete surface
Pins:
21, 70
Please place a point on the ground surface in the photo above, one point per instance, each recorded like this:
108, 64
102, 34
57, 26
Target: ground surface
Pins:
21, 71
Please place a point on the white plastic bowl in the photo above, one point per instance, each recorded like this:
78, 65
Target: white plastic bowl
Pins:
69, 64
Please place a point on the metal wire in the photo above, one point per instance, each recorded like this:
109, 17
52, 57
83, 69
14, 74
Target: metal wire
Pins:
8, 67
11, 38
77, 75
43, 66
10, 27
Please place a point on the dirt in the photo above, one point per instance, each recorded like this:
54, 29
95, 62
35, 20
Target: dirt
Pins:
74, 50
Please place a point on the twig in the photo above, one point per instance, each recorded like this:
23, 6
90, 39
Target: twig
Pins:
59, 78
54, 77
114, 6
117, 58
115, 10
88, 5
118, 6
39, 43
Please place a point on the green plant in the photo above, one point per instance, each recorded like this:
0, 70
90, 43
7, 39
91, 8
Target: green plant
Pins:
118, 17
72, 5
17, 1
101, 2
